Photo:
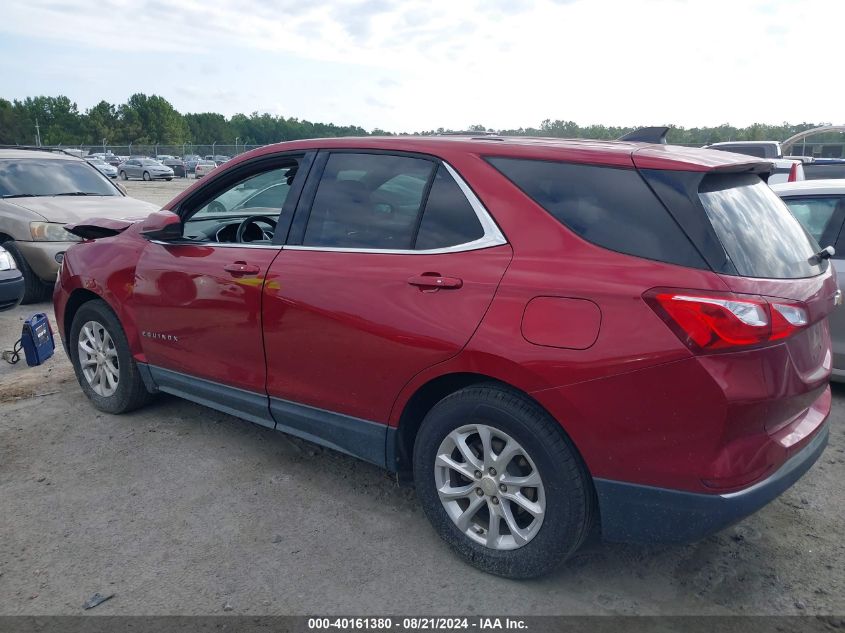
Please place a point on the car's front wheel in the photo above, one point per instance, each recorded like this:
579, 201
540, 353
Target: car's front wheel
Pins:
147, 176
102, 360
123, 176
501, 483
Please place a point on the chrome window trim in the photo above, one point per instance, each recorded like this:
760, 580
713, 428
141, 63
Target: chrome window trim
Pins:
493, 236
218, 244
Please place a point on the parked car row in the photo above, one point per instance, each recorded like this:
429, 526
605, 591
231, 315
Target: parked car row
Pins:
110, 164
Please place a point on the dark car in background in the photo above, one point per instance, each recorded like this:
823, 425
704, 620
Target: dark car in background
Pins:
177, 165
191, 161
825, 169
218, 159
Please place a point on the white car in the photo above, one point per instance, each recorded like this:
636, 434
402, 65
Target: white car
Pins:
820, 206
783, 169
204, 167
103, 167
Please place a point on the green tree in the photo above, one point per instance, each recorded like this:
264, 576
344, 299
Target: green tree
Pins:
151, 120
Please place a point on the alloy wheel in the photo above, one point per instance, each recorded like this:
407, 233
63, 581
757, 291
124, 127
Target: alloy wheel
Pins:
489, 487
98, 358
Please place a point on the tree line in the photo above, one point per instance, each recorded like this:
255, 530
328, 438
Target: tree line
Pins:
152, 119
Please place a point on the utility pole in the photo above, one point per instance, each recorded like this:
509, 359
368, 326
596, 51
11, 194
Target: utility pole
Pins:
37, 133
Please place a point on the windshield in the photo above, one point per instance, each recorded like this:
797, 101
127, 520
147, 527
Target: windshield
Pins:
23, 177
759, 234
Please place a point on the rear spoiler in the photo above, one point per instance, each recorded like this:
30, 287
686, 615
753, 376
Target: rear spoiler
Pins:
655, 135
95, 228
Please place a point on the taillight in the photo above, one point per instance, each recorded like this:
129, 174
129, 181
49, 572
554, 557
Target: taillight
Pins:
793, 173
723, 321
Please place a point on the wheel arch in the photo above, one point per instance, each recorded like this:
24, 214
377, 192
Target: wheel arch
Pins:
76, 300
401, 438
81, 295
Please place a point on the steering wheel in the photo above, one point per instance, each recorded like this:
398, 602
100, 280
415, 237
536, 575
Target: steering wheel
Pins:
242, 227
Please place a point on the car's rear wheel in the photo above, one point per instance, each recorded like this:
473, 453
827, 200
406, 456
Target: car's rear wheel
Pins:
147, 176
168, 179
103, 362
35, 288
123, 176
501, 482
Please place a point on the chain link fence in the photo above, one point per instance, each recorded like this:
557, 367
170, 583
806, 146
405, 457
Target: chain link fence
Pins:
151, 151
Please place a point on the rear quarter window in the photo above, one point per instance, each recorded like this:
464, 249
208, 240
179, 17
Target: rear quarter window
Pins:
608, 206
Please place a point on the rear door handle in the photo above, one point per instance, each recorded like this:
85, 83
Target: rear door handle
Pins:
241, 268
431, 281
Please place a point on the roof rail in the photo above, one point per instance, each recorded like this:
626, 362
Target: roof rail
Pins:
53, 150
647, 135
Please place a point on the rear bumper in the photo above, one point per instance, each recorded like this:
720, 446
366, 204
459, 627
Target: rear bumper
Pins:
633, 513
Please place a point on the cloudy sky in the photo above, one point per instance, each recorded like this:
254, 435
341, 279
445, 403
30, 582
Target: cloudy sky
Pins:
407, 65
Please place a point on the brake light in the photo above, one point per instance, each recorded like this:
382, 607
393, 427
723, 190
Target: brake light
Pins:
793, 173
714, 322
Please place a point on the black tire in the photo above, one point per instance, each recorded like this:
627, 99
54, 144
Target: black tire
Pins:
131, 392
123, 175
569, 494
146, 176
36, 289
168, 179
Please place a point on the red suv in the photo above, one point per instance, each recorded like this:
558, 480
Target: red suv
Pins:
547, 334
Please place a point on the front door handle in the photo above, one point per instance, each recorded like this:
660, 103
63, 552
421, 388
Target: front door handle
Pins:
432, 281
241, 268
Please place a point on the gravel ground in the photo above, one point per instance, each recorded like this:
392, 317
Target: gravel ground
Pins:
157, 191
178, 509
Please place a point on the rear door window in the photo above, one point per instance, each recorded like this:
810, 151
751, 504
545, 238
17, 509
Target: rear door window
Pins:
821, 216
608, 206
759, 234
369, 201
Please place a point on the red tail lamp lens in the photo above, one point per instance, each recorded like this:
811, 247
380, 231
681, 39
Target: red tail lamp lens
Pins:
713, 322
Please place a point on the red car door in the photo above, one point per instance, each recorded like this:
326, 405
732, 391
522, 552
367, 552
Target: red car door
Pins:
198, 300
395, 267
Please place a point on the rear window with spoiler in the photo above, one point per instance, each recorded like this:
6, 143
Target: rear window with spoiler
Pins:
730, 223
760, 235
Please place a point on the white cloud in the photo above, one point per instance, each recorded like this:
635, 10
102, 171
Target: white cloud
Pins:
421, 64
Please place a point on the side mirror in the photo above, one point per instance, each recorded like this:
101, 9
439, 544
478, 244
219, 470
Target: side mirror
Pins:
164, 226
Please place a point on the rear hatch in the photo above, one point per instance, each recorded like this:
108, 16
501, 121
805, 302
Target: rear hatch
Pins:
762, 254
773, 256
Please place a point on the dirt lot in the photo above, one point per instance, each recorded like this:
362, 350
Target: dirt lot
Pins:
157, 191
178, 509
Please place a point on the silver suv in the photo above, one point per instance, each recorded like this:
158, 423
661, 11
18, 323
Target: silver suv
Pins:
40, 192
